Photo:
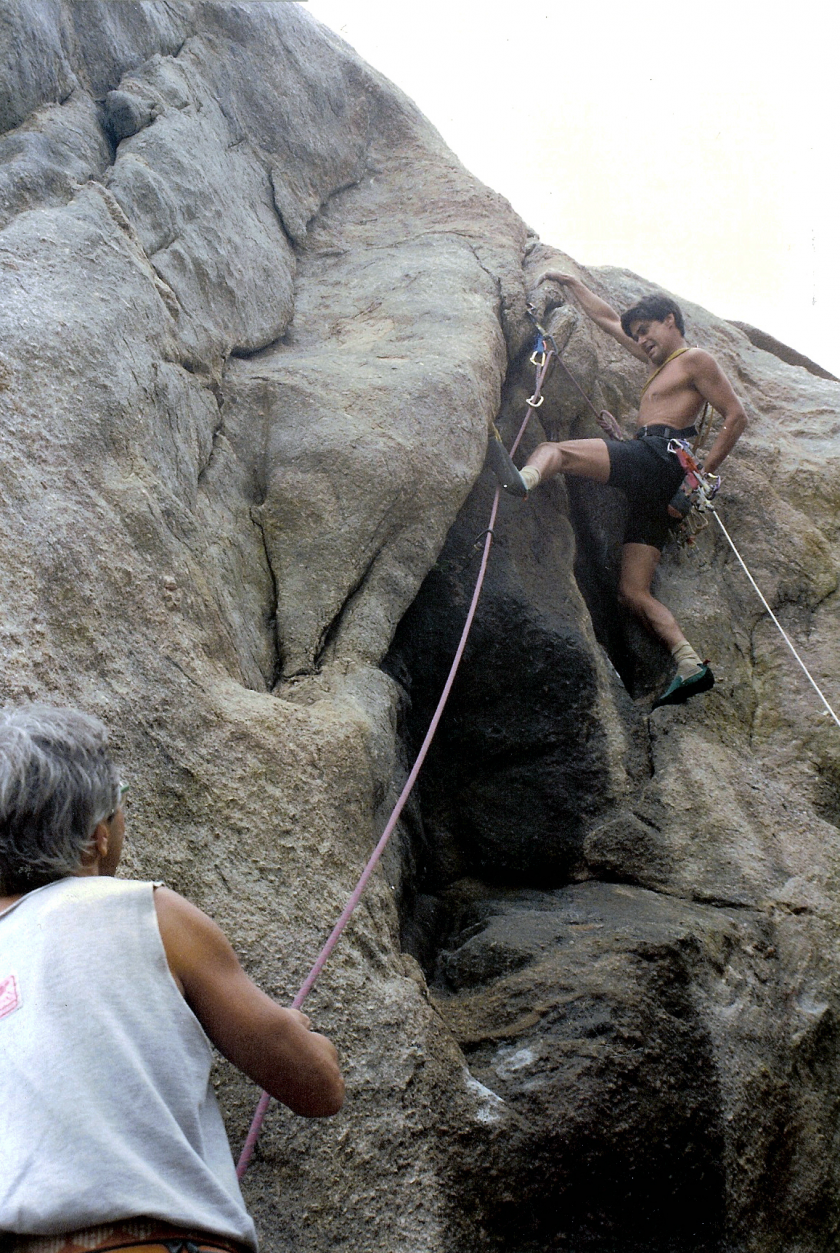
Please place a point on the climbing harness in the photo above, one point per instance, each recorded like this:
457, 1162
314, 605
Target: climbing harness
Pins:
545, 356
692, 521
704, 486
702, 489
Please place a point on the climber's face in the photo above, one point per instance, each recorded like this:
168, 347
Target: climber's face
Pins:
657, 339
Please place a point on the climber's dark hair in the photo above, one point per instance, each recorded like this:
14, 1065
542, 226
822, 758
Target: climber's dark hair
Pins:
653, 308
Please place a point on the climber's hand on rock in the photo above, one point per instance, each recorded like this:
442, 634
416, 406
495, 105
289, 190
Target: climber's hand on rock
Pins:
557, 276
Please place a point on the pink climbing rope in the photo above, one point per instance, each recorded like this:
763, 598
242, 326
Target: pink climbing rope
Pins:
355, 896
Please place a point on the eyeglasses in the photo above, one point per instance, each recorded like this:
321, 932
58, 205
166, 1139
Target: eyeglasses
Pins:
123, 788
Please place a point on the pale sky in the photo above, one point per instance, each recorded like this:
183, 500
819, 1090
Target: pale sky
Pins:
695, 145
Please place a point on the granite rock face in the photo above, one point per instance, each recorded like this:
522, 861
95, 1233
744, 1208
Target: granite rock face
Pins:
256, 320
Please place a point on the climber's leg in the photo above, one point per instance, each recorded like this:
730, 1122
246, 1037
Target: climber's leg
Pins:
638, 566
585, 458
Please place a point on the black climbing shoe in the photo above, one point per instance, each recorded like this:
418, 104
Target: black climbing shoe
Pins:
498, 458
681, 689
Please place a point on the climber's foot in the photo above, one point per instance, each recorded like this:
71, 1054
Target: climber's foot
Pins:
498, 458
681, 690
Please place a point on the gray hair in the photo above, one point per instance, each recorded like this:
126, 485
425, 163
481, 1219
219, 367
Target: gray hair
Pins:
56, 784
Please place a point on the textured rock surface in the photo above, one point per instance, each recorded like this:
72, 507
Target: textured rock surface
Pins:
255, 321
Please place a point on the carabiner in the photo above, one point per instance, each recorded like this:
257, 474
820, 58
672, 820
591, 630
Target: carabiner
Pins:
537, 357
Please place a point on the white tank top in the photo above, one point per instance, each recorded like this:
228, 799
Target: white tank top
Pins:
106, 1109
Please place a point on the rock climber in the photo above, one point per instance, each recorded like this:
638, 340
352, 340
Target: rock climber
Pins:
651, 477
110, 1135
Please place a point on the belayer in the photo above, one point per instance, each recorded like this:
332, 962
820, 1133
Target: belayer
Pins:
650, 475
110, 993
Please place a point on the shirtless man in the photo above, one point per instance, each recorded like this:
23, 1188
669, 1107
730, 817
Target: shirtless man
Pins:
683, 378
110, 1136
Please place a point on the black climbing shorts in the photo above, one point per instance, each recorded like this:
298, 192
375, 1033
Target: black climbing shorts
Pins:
649, 476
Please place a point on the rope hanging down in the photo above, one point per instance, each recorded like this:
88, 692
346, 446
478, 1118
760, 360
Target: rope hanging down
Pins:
782, 631
542, 360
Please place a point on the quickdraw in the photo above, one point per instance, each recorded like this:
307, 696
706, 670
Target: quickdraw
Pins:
702, 489
544, 354
537, 357
540, 352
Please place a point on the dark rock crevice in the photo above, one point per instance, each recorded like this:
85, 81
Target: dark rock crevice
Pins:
518, 775
333, 628
269, 623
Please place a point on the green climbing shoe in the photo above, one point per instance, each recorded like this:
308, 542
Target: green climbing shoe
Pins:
681, 689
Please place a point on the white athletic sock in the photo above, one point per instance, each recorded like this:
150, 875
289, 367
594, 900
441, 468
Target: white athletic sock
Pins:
688, 663
531, 475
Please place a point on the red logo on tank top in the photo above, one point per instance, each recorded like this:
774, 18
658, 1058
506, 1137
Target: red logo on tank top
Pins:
9, 998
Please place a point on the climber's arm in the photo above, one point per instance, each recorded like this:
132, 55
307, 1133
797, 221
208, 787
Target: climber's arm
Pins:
601, 313
714, 386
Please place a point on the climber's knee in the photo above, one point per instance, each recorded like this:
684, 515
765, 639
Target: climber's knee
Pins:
631, 598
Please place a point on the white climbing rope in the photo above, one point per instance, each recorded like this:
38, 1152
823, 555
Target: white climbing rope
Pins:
784, 634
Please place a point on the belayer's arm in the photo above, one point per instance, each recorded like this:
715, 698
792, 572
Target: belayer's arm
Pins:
272, 1045
598, 310
714, 386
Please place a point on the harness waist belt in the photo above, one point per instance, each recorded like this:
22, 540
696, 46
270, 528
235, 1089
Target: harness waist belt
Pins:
666, 432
